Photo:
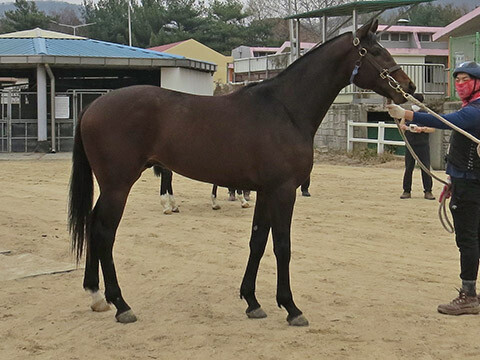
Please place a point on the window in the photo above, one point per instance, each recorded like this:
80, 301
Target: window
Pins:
385, 36
425, 37
403, 37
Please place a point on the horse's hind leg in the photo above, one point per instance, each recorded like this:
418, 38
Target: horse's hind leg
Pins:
231, 194
243, 202
104, 223
171, 198
166, 192
91, 280
215, 205
258, 241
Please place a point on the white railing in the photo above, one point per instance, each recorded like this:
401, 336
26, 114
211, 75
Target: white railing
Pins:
430, 79
380, 141
261, 64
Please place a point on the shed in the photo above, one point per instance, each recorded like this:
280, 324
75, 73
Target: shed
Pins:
74, 63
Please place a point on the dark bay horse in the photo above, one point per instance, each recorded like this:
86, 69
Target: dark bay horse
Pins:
129, 130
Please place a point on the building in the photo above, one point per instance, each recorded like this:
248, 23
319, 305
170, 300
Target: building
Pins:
253, 63
463, 36
193, 49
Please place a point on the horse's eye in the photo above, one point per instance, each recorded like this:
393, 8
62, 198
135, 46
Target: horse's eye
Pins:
376, 49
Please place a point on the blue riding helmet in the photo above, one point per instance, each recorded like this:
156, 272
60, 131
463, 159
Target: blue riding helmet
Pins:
470, 67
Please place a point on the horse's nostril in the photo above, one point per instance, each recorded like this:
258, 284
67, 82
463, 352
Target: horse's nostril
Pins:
411, 87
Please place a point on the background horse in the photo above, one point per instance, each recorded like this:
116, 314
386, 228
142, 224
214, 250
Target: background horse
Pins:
168, 200
166, 190
243, 196
201, 138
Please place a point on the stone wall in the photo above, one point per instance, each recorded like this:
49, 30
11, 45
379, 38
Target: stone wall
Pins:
332, 133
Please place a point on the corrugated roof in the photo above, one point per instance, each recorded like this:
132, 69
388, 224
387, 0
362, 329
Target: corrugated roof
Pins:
44, 42
38, 32
27, 48
166, 46
360, 6
76, 47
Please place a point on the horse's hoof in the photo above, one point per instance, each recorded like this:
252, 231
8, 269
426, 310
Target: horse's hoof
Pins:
257, 314
167, 211
176, 210
300, 320
126, 317
100, 305
245, 205
216, 207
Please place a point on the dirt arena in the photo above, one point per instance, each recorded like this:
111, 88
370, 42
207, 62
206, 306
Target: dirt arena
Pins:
367, 270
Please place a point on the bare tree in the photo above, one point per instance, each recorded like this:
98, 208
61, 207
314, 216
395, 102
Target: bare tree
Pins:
265, 9
262, 9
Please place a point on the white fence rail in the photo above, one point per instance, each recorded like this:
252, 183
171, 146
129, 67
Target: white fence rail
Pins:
430, 79
380, 141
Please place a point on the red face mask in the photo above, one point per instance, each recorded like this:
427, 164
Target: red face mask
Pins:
468, 89
465, 89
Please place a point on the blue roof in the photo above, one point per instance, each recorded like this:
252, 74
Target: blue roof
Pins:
76, 47
31, 47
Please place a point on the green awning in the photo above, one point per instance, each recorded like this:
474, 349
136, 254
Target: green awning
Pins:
360, 6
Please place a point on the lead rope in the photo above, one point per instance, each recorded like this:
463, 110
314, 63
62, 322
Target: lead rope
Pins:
385, 74
442, 212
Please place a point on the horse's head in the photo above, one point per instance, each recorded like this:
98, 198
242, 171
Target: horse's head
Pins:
375, 68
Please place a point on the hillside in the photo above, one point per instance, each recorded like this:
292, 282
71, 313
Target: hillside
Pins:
468, 4
47, 7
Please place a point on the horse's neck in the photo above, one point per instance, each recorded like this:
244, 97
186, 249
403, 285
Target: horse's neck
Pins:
309, 88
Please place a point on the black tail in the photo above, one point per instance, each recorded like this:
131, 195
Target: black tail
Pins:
81, 195
157, 170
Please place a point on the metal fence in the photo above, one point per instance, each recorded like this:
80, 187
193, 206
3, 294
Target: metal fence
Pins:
19, 118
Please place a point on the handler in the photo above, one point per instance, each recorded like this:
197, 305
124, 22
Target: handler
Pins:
463, 167
419, 138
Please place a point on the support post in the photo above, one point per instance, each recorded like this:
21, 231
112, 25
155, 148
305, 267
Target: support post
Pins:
52, 106
381, 137
349, 135
42, 144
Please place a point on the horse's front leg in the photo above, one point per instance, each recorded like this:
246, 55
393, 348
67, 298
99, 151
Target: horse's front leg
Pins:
258, 241
280, 206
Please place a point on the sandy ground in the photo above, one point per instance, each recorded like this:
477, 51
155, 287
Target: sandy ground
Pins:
368, 271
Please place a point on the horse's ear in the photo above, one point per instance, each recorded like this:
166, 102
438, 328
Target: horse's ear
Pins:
366, 28
374, 26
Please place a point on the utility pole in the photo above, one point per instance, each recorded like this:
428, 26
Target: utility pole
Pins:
129, 24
